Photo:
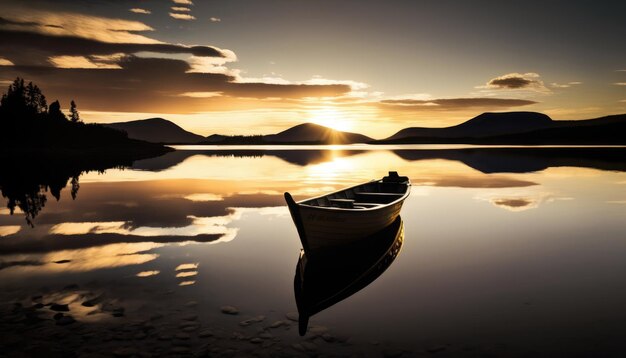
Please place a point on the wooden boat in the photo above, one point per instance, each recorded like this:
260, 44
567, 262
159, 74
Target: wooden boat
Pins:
323, 280
350, 214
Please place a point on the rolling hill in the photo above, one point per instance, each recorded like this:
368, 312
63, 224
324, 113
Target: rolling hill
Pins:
519, 128
157, 130
486, 124
305, 133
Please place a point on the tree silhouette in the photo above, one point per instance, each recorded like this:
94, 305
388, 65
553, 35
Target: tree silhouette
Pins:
55, 114
74, 116
35, 100
22, 101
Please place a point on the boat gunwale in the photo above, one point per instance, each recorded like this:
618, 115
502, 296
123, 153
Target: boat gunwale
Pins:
377, 207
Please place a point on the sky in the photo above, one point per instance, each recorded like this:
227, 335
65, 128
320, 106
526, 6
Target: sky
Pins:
373, 67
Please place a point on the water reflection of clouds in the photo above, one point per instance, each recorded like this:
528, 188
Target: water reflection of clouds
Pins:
99, 254
206, 225
519, 201
81, 260
148, 273
189, 266
6, 211
9, 230
471, 181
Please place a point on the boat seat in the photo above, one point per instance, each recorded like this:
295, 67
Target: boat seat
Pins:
366, 205
342, 203
378, 198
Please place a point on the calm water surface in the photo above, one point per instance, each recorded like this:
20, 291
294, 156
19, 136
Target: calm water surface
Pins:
506, 252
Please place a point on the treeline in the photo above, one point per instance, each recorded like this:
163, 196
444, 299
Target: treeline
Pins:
27, 121
241, 139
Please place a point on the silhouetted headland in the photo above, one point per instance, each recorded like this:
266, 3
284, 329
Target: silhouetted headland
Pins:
41, 149
29, 127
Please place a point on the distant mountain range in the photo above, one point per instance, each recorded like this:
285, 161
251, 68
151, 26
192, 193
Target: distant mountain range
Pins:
487, 128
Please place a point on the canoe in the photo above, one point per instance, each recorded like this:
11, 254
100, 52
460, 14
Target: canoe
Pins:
348, 215
323, 280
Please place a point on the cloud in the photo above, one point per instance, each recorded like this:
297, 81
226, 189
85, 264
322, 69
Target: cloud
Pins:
76, 25
215, 19
183, 2
623, 101
137, 10
573, 111
512, 80
201, 94
25, 48
94, 62
455, 103
620, 83
5, 62
185, 17
32, 39
155, 85
565, 85
318, 80
517, 81
180, 9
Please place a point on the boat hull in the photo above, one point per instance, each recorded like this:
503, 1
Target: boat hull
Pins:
349, 215
325, 229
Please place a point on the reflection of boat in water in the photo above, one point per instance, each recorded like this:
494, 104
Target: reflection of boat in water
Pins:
330, 277
350, 214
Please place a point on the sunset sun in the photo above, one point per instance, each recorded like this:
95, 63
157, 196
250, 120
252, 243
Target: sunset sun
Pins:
330, 117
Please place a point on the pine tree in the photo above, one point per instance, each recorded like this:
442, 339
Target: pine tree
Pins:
74, 116
13, 103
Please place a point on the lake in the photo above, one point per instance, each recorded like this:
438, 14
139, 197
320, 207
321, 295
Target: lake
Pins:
506, 252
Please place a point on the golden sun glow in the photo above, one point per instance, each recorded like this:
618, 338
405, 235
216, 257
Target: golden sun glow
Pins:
330, 117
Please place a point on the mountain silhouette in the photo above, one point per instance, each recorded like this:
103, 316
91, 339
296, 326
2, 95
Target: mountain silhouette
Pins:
305, 133
157, 130
310, 132
486, 124
519, 128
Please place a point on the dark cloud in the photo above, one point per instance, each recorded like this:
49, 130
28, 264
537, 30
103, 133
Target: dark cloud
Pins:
456, 103
518, 81
510, 82
28, 48
153, 84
